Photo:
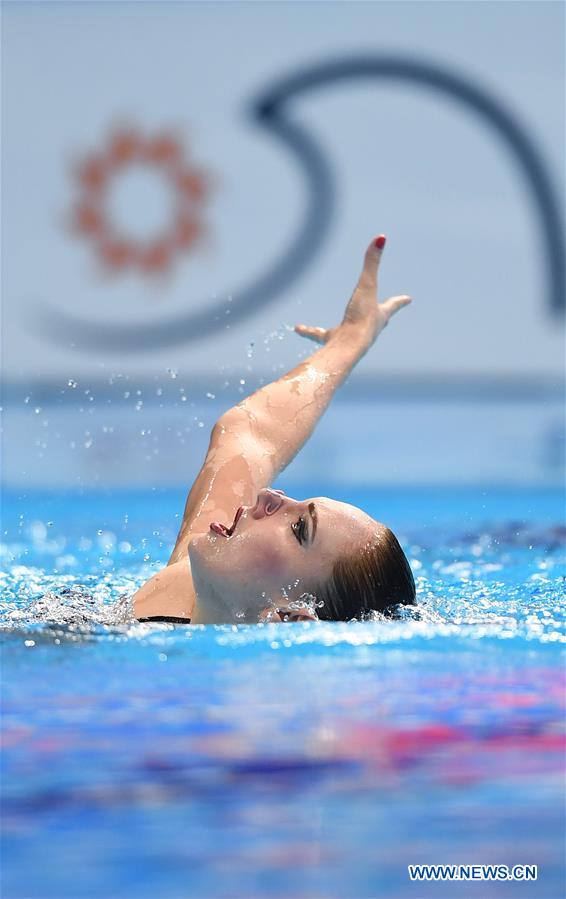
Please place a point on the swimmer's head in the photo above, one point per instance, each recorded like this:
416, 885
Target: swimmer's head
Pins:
292, 560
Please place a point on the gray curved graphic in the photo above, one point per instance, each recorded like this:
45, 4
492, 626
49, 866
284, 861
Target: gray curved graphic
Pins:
270, 112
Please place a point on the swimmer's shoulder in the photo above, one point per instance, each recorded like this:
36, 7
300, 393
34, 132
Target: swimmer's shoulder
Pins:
169, 593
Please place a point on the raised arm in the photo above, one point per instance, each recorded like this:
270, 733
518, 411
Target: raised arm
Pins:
282, 415
255, 440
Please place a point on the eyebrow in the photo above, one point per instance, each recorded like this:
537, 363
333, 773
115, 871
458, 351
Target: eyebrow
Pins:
314, 516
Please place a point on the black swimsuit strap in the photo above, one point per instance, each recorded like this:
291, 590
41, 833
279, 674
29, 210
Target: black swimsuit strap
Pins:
172, 618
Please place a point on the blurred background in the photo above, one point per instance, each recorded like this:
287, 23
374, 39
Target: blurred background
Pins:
183, 182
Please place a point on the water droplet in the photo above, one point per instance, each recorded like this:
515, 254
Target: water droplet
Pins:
38, 531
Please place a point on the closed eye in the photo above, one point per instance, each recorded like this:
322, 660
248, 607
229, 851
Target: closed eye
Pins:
299, 529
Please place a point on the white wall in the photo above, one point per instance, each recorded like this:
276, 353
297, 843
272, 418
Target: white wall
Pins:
464, 239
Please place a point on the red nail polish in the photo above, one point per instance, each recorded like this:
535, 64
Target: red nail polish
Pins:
380, 241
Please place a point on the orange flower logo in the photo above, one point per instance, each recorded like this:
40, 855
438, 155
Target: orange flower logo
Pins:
96, 176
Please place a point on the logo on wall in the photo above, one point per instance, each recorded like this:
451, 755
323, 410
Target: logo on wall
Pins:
271, 113
98, 177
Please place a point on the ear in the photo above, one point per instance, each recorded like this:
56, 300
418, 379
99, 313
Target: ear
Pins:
269, 614
279, 609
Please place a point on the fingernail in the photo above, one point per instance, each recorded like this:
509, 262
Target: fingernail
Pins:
380, 241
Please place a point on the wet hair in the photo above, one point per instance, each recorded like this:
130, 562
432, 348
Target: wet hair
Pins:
378, 578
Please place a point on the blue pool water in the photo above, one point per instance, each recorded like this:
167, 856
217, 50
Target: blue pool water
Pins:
305, 760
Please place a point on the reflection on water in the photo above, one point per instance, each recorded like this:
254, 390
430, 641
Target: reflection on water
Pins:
304, 760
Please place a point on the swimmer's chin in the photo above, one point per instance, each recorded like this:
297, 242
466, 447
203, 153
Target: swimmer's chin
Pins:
195, 547
205, 545
205, 538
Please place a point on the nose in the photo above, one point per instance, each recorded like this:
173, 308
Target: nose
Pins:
268, 502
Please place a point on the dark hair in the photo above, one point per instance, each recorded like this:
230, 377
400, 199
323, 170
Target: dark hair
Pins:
376, 578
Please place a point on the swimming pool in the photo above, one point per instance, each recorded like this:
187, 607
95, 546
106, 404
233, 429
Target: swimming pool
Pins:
303, 760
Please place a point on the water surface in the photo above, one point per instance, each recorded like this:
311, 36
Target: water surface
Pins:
295, 760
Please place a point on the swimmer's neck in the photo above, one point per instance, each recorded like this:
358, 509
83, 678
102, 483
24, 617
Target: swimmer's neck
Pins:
209, 608
211, 612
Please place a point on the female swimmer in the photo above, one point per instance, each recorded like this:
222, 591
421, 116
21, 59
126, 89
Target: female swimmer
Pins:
246, 552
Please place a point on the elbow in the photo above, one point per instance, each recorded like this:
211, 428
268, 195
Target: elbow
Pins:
232, 423
243, 423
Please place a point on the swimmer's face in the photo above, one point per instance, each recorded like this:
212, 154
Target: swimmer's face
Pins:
279, 549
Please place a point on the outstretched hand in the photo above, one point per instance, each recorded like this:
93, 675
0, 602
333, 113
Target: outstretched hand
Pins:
364, 315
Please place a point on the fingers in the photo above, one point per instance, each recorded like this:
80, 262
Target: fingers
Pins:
319, 335
368, 277
393, 304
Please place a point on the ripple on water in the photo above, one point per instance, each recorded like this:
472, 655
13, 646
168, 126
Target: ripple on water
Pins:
504, 584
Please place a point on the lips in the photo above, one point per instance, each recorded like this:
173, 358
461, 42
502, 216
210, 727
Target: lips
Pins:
222, 530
